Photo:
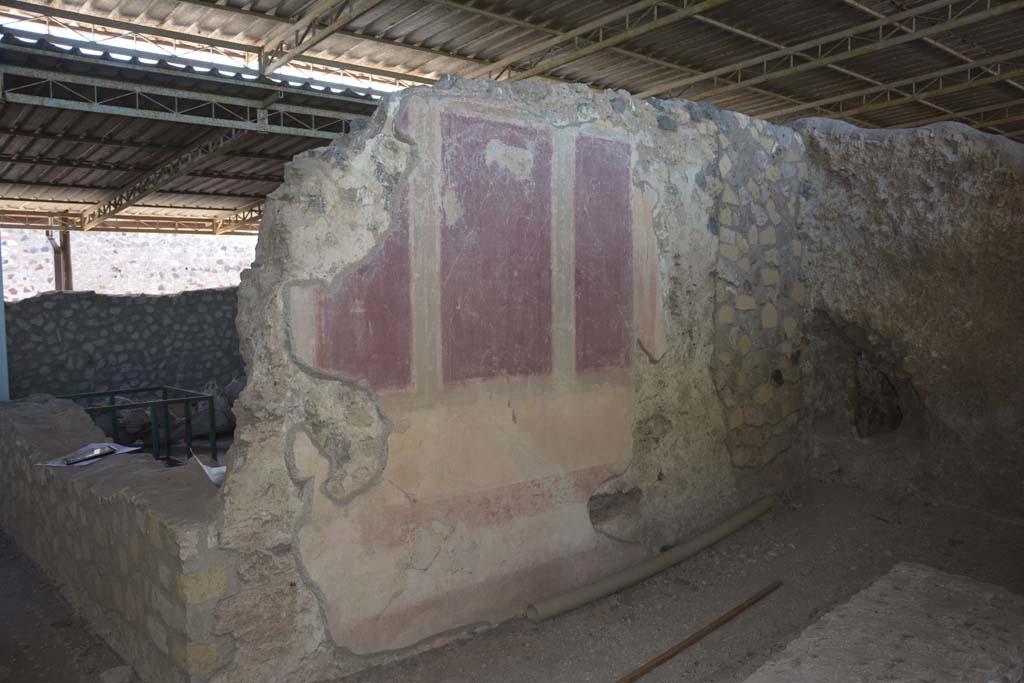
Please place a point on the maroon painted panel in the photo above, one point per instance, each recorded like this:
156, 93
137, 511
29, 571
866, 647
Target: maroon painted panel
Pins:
495, 249
604, 254
364, 325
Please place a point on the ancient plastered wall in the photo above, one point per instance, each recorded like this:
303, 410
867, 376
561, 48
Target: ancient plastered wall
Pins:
75, 342
461, 325
915, 239
127, 540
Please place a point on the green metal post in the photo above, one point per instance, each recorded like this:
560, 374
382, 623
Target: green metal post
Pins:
113, 418
154, 428
167, 428
213, 432
188, 428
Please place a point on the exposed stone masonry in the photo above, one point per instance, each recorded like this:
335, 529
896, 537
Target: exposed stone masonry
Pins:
128, 541
76, 342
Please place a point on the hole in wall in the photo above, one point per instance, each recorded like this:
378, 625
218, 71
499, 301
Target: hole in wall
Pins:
876, 408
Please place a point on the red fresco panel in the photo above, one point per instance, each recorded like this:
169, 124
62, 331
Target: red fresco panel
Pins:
365, 322
495, 249
604, 254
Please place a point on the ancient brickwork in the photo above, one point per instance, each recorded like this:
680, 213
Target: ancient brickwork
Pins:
761, 300
75, 342
126, 539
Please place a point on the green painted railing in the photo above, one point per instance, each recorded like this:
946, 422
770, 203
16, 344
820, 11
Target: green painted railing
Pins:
157, 407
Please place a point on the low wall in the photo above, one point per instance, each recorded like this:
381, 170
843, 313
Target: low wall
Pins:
76, 342
125, 539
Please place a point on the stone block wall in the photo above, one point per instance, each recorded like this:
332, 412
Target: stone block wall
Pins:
761, 300
126, 539
75, 342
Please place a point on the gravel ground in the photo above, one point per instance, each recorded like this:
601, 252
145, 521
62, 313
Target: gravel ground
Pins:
825, 542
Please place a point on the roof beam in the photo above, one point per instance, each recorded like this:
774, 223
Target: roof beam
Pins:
643, 58
626, 35
938, 92
961, 114
129, 144
930, 41
57, 162
245, 52
239, 219
168, 104
913, 83
834, 48
19, 219
335, 14
181, 164
832, 67
554, 41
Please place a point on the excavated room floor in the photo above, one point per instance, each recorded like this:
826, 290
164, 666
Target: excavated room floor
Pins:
825, 542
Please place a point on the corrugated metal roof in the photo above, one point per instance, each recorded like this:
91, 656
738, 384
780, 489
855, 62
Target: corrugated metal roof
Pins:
73, 158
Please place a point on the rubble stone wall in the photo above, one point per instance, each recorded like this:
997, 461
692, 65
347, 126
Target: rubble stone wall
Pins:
915, 238
127, 540
75, 342
484, 366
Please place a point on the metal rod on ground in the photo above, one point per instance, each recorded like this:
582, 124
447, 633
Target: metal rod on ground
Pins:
698, 635
649, 567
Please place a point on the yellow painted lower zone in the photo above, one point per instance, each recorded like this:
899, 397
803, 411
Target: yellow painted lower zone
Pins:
482, 508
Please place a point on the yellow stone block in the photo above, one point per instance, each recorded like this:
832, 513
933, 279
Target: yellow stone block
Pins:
769, 317
729, 252
753, 189
798, 248
213, 583
766, 236
799, 293
736, 418
727, 314
745, 344
789, 325
769, 276
730, 197
725, 216
773, 212
744, 264
764, 393
773, 174
741, 379
725, 357
745, 302
725, 165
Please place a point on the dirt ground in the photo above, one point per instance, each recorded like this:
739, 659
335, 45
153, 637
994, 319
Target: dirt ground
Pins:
825, 542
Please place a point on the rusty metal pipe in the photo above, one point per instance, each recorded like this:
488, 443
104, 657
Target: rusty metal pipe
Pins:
638, 572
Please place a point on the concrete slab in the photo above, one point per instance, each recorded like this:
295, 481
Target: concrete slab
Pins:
913, 624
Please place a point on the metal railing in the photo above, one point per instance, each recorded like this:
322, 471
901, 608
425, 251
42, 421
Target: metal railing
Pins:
157, 407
